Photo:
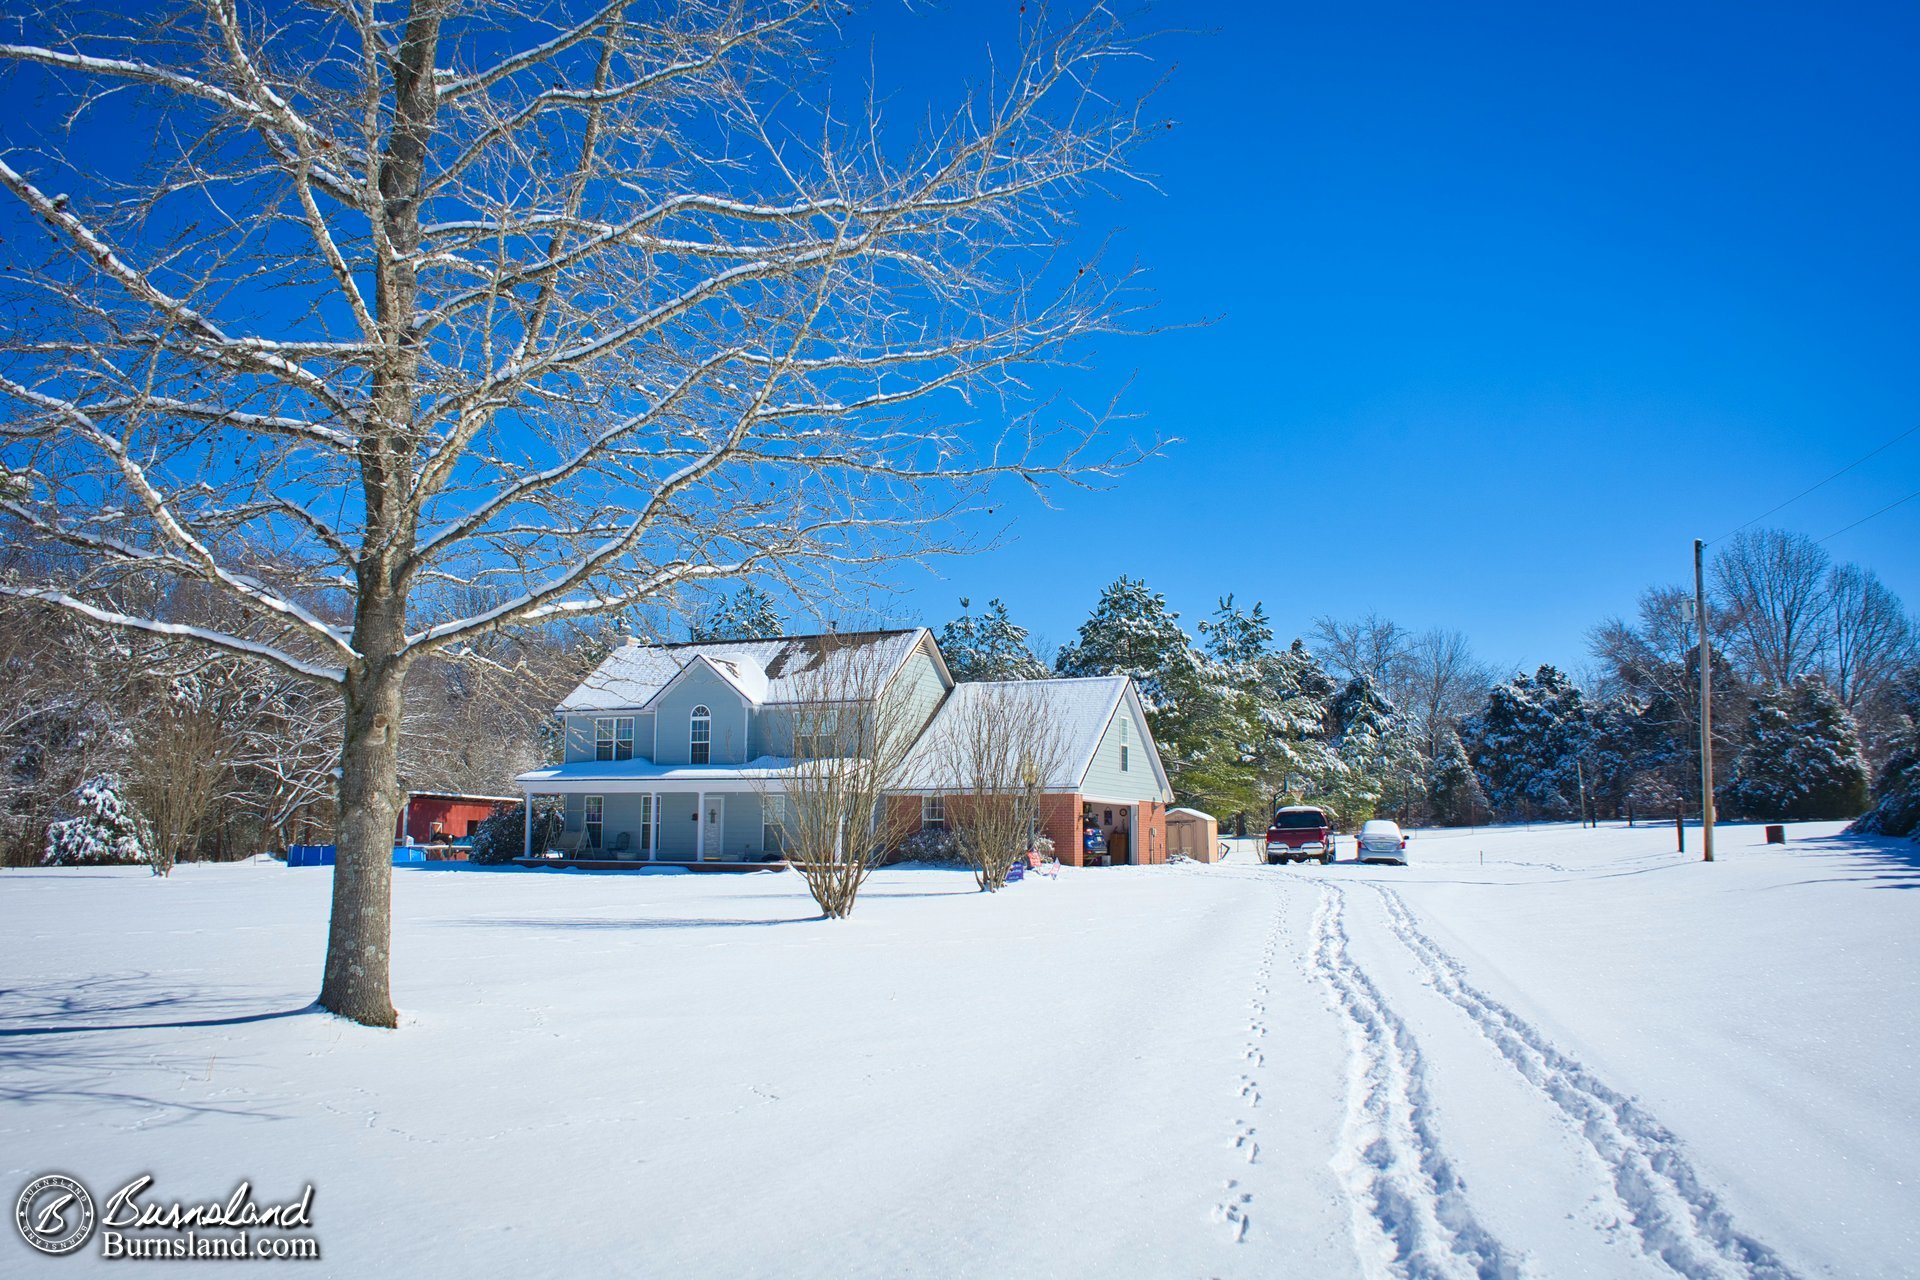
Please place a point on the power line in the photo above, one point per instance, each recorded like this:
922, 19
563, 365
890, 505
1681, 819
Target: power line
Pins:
1829, 480
1882, 511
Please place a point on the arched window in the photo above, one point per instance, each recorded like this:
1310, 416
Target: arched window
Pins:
700, 736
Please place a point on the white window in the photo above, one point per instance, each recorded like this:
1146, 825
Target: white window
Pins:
773, 819
700, 736
596, 820
933, 811
646, 825
613, 738
1124, 727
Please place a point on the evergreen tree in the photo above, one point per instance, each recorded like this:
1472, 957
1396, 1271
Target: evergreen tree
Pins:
1236, 636
1802, 760
1222, 775
1133, 633
1376, 754
105, 828
749, 615
1526, 744
1896, 793
988, 646
1454, 796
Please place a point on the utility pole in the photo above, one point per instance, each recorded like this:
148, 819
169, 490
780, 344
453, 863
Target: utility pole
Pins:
1580, 776
1706, 701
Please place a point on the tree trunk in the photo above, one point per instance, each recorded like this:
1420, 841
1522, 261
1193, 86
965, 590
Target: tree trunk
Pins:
356, 984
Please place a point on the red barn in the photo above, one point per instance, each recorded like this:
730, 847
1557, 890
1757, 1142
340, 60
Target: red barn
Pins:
435, 817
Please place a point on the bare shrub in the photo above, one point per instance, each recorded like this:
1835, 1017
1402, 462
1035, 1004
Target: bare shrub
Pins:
1000, 750
852, 731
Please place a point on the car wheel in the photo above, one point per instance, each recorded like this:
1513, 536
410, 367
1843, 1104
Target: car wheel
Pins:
1326, 859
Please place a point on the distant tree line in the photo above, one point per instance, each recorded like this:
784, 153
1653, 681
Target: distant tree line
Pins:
123, 747
120, 747
1816, 679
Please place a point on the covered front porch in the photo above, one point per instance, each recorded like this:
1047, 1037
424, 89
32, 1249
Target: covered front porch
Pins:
703, 821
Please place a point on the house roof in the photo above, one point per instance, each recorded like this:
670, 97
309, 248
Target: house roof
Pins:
779, 670
1078, 709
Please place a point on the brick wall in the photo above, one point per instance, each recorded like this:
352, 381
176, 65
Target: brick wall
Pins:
1060, 821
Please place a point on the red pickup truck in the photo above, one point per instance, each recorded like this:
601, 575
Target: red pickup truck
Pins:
1300, 832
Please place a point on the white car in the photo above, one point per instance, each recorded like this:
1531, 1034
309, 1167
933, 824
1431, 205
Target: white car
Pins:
1381, 840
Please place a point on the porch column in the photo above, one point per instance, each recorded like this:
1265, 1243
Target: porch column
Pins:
700, 826
526, 828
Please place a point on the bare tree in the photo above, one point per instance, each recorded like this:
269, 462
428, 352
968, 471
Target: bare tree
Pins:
993, 753
852, 732
289, 747
1871, 639
190, 737
573, 306
1444, 683
1775, 585
1373, 646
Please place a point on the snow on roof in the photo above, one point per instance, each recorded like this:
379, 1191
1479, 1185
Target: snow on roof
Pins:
765, 671
1078, 709
1189, 813
741, 671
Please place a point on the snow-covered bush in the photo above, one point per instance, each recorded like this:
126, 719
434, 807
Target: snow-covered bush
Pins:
1896, 809
1527, 742
931, 844
1802, 760
105, 829
501, 835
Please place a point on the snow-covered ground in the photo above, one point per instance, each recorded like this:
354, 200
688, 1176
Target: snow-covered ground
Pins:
1552, 1052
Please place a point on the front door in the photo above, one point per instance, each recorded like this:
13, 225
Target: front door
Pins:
713, 822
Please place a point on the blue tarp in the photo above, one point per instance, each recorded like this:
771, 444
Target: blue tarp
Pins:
322, 855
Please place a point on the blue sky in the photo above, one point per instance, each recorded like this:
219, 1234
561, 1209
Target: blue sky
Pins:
1508, 304
1512, 302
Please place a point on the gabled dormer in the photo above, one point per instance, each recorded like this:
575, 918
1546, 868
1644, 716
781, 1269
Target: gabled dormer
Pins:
704, 714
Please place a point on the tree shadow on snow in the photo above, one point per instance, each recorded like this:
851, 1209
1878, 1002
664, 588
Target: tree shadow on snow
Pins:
77, 1006
53, 1052
626, 923
1879, 862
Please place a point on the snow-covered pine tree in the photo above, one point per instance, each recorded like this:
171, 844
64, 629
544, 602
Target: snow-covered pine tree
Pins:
104, 829
1273, 712
1132, 632
1454, 796
1615, 756
1224, 776
988, 645
1527, 741
1376, 750
749, 615
1802, 760
1896, 793
1236, 635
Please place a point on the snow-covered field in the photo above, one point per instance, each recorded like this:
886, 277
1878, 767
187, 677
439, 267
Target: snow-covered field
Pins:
1552, 1052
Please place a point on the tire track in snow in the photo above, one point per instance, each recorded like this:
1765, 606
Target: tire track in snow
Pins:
1409, 1208
1678, 1219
